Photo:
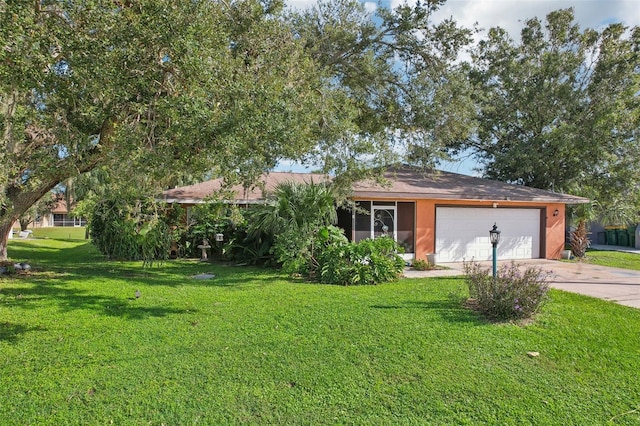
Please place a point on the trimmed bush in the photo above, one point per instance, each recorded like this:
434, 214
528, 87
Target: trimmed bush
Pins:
422, 265
370, 261
513, 294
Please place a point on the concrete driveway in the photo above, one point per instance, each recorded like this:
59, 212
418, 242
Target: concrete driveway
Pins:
617, 285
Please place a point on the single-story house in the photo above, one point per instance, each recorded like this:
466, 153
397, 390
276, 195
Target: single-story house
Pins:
58, 216
441, 213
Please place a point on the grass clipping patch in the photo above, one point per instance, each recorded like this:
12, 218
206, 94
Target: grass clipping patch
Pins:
514, 294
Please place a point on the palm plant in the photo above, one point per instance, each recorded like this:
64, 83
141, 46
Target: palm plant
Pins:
293, 215
295, 206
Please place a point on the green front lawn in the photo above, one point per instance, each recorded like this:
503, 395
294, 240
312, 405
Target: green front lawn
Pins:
251, 346
616, 259
57, 232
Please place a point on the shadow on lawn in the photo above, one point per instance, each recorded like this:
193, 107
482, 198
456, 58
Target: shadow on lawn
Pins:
33, 297
450, 310
11, 332
83, 261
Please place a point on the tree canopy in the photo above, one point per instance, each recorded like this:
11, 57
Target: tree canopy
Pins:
165, 89
151, 92
145, 87
389, 91
560, 109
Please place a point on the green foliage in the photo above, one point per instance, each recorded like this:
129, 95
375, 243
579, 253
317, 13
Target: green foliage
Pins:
389, 78
164, 89
127, 228
559, 109
421, 265
299, 220
293, 217
206, 221
249, 248
513, 294
370, 261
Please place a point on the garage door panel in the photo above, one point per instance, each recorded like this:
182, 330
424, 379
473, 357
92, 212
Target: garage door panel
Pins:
463, 233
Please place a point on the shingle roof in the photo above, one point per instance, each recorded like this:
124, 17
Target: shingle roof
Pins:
411, 183
403, 183
194, 194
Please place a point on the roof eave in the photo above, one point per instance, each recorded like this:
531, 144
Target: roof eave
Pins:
466, 197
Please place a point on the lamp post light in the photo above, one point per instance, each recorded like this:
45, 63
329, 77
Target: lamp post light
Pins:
494, 236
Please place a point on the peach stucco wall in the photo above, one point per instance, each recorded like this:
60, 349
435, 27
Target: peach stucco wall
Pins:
552, 241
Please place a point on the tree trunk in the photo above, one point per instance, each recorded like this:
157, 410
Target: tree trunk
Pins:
5, 228
18, 203
24, 224
580, 240
18, 200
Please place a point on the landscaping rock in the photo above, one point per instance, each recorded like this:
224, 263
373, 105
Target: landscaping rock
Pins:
17, 267
533, 354
203, 276
25, 266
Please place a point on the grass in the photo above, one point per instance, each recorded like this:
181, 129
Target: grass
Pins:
58, 232
615, 259
251, 346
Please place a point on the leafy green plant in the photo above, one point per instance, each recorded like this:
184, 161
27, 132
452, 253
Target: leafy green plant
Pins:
129, 228
248, 249
370, 261
209, 219
421, 265
513, 294
293, 216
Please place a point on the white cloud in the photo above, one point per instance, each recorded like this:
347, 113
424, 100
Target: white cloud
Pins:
370, 6
511, 14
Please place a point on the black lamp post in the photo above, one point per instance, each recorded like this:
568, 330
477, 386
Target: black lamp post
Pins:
494, 236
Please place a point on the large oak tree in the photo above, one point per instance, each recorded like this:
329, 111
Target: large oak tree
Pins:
153, 86
150, 90
392, 90
559, 109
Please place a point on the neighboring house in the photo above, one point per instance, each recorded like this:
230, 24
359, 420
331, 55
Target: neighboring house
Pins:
58, 216
443, 213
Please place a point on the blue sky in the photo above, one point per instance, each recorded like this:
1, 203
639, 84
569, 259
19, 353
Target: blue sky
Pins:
511, 14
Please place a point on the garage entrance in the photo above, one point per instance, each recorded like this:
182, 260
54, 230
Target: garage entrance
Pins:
462, 233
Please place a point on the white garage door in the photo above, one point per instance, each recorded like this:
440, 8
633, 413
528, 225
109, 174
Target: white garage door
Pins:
463, 233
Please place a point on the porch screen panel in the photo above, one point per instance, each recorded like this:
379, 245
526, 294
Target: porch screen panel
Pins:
363, 221
406, 226
345, 222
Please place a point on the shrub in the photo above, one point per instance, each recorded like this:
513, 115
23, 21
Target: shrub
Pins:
422, 265
513, 294
211, 218
129, 228
370, 261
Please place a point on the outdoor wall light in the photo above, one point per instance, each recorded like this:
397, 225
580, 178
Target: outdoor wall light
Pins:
556, 212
